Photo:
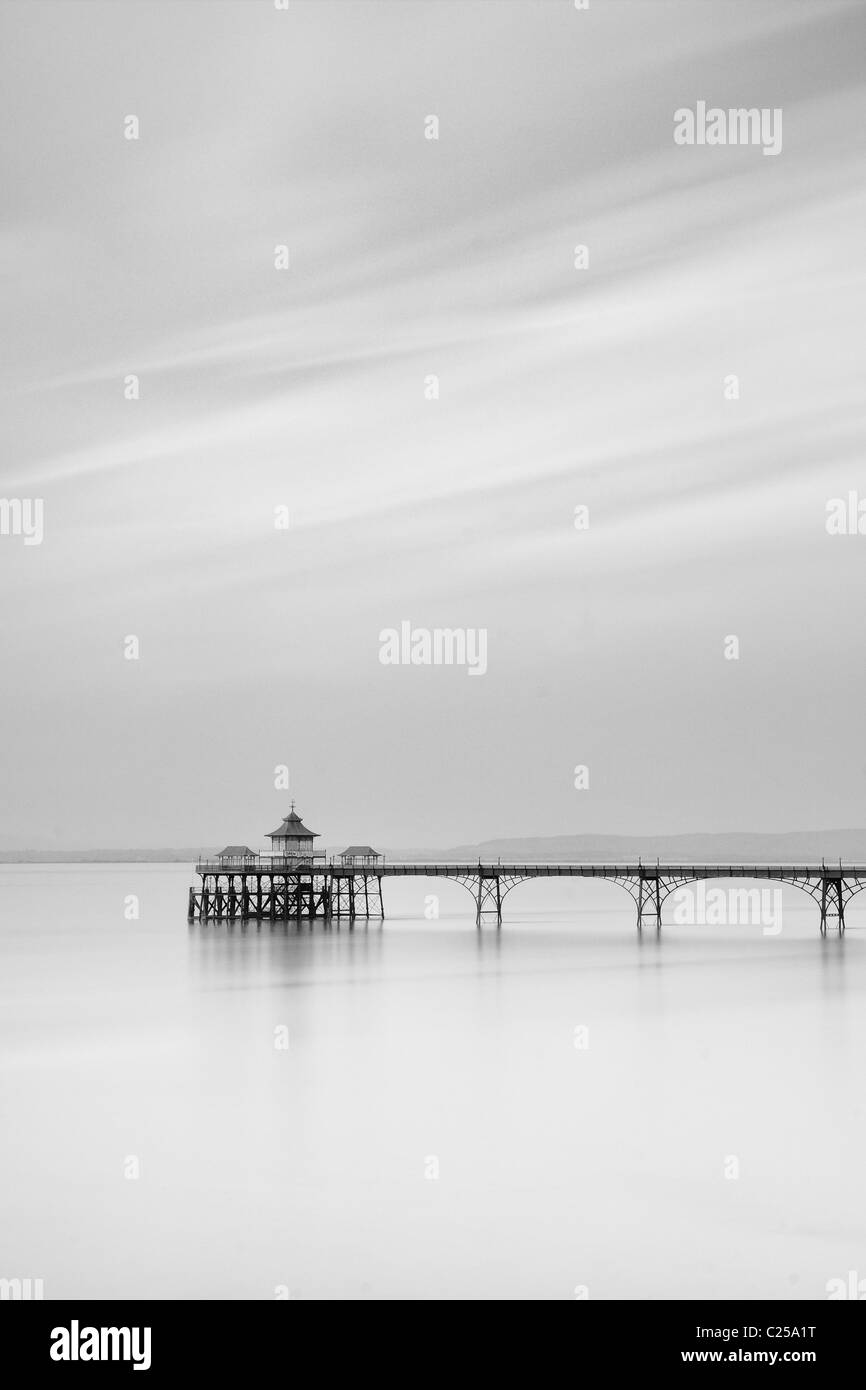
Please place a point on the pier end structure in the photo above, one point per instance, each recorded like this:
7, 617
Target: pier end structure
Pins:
292, 881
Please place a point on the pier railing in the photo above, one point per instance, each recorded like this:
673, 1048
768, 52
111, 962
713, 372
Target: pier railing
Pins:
251, 862
536, 868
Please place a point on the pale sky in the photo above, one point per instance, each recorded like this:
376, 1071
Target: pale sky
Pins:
305, 388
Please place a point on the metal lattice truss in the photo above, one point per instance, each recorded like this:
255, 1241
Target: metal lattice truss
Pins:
230, 897
649, 890
355, 895
832, 891
488, 888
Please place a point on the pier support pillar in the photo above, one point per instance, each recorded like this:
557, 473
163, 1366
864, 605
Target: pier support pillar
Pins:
832, 903
488, 898
373, 896
649, 901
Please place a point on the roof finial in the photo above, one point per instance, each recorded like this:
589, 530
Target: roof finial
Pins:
293, 805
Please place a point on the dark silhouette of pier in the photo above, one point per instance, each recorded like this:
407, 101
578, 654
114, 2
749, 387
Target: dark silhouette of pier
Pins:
267, 887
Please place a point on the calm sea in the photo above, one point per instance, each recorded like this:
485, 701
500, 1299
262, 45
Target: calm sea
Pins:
422, 1110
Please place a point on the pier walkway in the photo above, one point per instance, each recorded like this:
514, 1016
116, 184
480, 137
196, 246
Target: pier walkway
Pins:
271, 887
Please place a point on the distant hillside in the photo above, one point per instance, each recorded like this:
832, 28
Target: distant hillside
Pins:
103, 856
734, 847
792, 846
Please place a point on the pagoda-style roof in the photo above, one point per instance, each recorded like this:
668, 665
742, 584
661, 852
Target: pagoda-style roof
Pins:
361, 852
236, 852
293, 828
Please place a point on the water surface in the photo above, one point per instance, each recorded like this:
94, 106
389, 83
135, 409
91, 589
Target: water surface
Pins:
584, 1096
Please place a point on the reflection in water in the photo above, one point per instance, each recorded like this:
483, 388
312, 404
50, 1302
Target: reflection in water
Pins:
286, 1088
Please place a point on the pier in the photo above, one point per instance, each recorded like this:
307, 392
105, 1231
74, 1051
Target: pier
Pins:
280, 888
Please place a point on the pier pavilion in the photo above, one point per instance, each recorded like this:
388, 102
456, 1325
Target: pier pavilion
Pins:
360, 854
292, 839
293, 880
236, 854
